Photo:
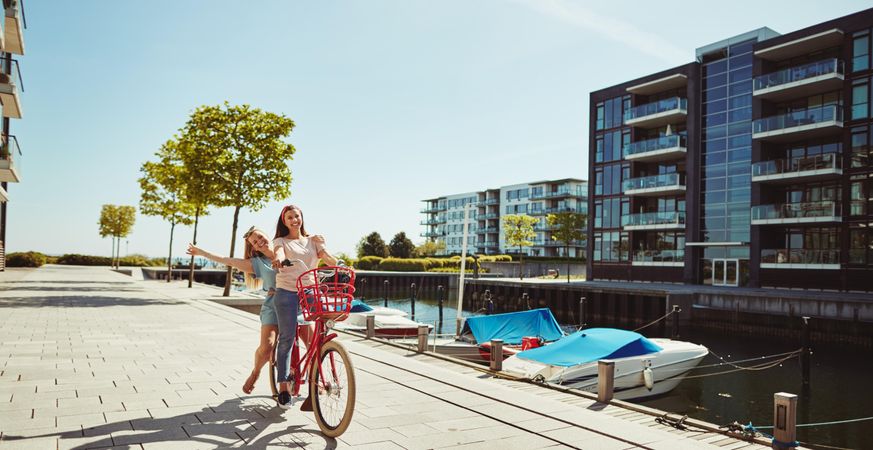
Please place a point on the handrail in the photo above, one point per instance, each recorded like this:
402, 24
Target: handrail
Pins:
650, 145
797, 210
799, 73
659, 106
798, 118
785, 165
654, 181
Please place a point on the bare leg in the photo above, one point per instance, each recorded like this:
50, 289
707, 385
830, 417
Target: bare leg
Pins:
262, 355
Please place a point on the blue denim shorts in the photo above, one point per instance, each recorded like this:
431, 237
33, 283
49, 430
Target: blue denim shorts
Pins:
268, 312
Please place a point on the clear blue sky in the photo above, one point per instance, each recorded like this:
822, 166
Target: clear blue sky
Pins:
395, 101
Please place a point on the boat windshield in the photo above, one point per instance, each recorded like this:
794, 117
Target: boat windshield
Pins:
512, 327
590, 345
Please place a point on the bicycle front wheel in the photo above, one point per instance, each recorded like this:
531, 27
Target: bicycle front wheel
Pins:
332, 389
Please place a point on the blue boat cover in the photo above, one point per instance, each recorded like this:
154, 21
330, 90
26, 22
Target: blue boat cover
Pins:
590, 345
511, 327
359, 306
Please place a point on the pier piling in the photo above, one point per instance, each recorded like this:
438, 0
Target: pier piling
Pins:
605, 380
422, 338
784, 420
371, 326
385, 292
412, 299
496, 355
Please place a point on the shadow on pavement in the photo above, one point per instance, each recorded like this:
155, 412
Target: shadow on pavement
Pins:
80, 302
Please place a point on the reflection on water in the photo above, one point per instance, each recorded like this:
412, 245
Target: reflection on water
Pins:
840, 382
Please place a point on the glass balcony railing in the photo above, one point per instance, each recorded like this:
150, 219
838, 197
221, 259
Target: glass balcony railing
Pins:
488, 216
654, 218
10, 73
655, 181
433, 221
652, 145
431, 209
798, 118
10, 159
808, 210
560, 192
490, 201
798, 73
787, 166
433, 234
487, 230
659, 256
799, 256
649, 109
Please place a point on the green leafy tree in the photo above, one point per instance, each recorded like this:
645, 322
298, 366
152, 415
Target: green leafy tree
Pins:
568, 229
401, 246
116, 221
248, 157
372, 245
518, 232
430, 248
198, 185
162, 195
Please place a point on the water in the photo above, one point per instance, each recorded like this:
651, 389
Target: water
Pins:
840, 382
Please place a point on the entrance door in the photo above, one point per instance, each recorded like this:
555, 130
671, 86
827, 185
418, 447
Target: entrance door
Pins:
725, 272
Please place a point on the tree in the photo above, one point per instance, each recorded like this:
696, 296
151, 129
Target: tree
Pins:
162, 193
248, 159
518, 232
401, 246
569, 226
430, 248
116, 221
198, 186
372, 245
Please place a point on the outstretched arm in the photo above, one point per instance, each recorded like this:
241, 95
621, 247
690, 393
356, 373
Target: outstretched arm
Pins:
237, 263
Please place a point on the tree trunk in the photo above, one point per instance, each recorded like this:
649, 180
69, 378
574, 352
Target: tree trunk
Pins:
170, 254
232, 245
112, 254
191, 271
567, 255
521, 264
118, 253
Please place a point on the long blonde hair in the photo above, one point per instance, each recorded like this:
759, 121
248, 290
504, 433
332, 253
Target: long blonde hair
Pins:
249, 252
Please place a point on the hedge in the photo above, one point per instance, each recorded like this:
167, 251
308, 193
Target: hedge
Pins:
405, 264
368, 263
25, 259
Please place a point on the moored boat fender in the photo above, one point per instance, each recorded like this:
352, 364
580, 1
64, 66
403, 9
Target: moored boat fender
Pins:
648, 378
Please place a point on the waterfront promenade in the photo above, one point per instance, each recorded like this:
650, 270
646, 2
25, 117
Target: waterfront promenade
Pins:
90, 358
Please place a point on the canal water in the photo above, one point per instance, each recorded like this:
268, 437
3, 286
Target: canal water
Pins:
841, 381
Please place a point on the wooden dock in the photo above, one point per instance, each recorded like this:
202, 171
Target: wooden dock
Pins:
93, 358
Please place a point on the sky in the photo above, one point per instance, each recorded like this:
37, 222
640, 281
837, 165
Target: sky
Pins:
394, 101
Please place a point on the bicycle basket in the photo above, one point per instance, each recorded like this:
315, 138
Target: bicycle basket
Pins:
326, 292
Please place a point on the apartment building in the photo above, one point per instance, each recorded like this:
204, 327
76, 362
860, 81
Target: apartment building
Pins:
444, 216
750, 166
11, 43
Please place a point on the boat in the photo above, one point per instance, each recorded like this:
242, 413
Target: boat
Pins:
518, 330
389, 322
644, 367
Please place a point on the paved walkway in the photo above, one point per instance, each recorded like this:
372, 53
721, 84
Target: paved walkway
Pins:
90, 358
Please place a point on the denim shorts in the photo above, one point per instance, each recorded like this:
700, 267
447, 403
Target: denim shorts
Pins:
268, 312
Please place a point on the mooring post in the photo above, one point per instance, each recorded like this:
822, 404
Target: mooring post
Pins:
526, 299
496, 355
440, 293
804, 352
675, 322
371, 326
784, 420
385, 292
412, 299
364, 282
605, 380
583, 306
422, 338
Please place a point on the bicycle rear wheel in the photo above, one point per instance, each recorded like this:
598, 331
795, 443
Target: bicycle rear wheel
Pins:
332, 389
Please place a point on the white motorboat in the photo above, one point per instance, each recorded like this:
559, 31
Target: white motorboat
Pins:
643, 367
389, 322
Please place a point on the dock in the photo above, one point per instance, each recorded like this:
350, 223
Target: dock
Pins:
92, 358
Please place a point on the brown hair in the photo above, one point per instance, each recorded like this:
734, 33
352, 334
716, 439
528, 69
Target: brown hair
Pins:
249, 252
282, 230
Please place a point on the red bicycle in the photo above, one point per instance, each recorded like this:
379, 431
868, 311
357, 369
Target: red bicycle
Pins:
326, 296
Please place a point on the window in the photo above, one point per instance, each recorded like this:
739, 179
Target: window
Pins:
861, 51
861, 149
860, 99
861, 244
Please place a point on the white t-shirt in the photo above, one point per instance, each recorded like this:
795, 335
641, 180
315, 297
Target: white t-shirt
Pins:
303, 249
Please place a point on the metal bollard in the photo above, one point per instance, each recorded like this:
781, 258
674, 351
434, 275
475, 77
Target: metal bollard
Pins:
605, 380
526, 299
412, 300
385, 292
675, 322
422, 338
496, 355
784, 420
371, 326
582, 311
440, 294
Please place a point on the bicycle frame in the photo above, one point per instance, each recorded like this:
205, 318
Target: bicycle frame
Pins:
313, 349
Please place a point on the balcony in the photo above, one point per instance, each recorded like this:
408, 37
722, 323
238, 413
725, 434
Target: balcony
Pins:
545, 227
13, 36
433, 221
800, 81
561, 244
10, 83
560, 209
4, 196
801, 46
560, 193
797, 125
433, 209
433, 234
791, 213
657, 114
490, 201
10, 161
654, 186
661, 220
488, 245
660, 258
800, 258
784, 171
483, 230
664, 148
489, 216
